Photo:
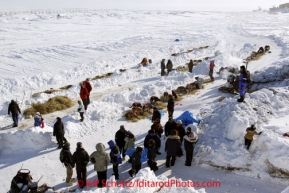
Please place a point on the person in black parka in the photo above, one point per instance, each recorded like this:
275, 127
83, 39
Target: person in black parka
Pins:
156, 115
191, 65
163, 67
81, 158
170, 126
152, 135
68, 163
152, 151
14, 110
173, 144
58, 132
120, 135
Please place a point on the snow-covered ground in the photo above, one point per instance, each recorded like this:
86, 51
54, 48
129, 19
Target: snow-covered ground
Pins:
39, 52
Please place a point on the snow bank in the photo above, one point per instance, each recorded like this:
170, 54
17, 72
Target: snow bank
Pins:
30, 140
224, 125
145, 182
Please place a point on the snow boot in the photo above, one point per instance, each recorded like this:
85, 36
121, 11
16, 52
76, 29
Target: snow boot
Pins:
241, 99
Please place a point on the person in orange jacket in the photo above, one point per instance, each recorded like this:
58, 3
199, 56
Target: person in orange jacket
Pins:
84, 95
251, 131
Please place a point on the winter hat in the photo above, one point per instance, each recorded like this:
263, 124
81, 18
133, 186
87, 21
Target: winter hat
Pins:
130, 135
179, 122
58, 118
111, 144
122, 127
67, 144
253, 127
151, 131
37, 113
139, 149
79, 145
88, 79
189, 129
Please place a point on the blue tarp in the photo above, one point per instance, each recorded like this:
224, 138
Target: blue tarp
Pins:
143, 158
187, 118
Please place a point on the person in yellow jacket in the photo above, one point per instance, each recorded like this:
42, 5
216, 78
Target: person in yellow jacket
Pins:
251, 131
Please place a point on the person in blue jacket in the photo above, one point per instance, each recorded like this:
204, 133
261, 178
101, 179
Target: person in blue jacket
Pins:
37, 119
242, 83
115, 158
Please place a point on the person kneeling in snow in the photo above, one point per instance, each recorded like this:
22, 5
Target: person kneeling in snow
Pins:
251, 131
115, 158
190, 140
199, 82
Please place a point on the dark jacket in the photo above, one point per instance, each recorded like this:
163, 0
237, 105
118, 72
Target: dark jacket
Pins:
171, 104
152, 151
155, 138
14, 109
173, 145
191, 65
169, 127
135, 159
119, 138
163, 65
58, 128
80, 157
190, 139
67, 156
156, 115
181, 132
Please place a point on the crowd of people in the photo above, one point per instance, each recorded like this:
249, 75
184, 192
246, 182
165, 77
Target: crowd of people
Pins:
124, 143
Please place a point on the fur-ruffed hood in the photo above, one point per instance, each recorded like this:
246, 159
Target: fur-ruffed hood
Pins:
173, 137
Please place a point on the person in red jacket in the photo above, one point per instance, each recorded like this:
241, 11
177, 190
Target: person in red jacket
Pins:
88, 87
83, 95
211, 72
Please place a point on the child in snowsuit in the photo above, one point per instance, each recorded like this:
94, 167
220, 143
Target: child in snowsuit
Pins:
251, 131
115, 158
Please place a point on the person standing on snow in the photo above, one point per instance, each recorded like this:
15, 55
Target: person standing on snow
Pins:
66, 159
173, 144
88, 87
156, 115
211, 72
251, 131
129, 143
170, 126
242, 83
135, 161
115, 158
191, 65
151, 135
58, 132
163, 67
14, 109
84, 95
81, 158
100, 159
190, 139
80, 109
120, 140
37, 119
171, 106
169, 66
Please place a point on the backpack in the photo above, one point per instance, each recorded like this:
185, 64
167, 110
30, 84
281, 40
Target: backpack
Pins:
61, 157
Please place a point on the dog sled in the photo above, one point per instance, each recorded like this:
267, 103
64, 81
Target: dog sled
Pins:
22, 183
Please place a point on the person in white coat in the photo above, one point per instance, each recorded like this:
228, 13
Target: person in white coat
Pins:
80, 110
